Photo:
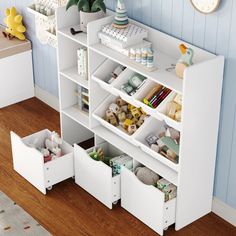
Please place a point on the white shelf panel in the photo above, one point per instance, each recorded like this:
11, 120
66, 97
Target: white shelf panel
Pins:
80, 38
164, 167
72, 74
168, 79
77, 115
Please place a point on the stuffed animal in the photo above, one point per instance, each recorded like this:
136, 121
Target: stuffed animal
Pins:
146, 176
53, 144
15, 27
184, 61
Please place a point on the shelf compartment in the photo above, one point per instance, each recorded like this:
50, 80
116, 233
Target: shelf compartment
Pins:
163, 62
72, 74
77, 115
95, 176
29, 162
80, 38
102, 74
99, 113
147, 203
153, 126
32, 10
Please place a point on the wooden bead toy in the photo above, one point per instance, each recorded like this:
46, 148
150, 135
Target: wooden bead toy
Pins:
114, 108
127, 123
151, 139
141, 120
109, 114
155, 147
132, 129
124, 108
121, 116
178, 116
136, 112
120, 102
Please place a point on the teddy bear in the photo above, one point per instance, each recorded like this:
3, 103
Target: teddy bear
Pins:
15, 27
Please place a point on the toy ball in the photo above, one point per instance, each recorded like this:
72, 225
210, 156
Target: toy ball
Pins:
14, 24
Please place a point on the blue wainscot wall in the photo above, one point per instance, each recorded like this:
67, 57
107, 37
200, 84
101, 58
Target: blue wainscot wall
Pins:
215, 32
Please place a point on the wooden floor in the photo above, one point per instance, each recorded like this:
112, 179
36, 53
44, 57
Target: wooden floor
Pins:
67, 209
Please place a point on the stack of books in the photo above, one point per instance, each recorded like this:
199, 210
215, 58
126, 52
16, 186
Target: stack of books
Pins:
123, 39
83, 99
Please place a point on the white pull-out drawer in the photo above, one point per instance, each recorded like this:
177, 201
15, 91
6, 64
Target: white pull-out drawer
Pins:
29, 162
95, 176
146, 202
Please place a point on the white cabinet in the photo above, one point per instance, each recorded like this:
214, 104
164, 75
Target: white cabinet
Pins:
29, 162
201, 92
95, 176
146, 202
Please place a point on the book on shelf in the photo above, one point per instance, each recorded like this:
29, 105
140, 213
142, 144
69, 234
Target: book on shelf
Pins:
82, 57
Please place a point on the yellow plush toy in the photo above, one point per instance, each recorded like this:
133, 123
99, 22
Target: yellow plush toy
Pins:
14, 24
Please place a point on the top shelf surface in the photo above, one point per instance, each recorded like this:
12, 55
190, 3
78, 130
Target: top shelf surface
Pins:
168, 79
80, 38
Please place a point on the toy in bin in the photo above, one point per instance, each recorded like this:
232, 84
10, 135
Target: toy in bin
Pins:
156, 95
118, 162
166, 143
51, 148
115, 73
169, 189
174, 108
125, 115
135, 82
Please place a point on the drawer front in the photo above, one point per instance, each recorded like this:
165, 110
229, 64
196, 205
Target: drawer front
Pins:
59, 169
95, 177
145, 202
28, 162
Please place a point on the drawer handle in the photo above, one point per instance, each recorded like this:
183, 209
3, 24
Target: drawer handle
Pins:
47, 168
167, 208
48, 181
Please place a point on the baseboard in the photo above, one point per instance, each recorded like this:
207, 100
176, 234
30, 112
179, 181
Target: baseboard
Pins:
224, 211
47, 98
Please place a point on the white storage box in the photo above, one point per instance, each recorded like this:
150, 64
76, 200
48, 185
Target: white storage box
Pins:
145, 202
16, 71
95, 176
153, 126
29, 162
99, 115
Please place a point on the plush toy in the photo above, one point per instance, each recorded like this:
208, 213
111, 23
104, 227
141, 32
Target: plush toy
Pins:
15, 27
146, 176
184, 61
53, 144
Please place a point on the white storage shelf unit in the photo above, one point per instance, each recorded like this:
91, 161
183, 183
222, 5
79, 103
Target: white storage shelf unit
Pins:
201, 91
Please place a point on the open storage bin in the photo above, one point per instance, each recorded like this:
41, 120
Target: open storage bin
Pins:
99, 115
147, 203
95, 176
155, 127
29, 162
103, 73
162, 109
